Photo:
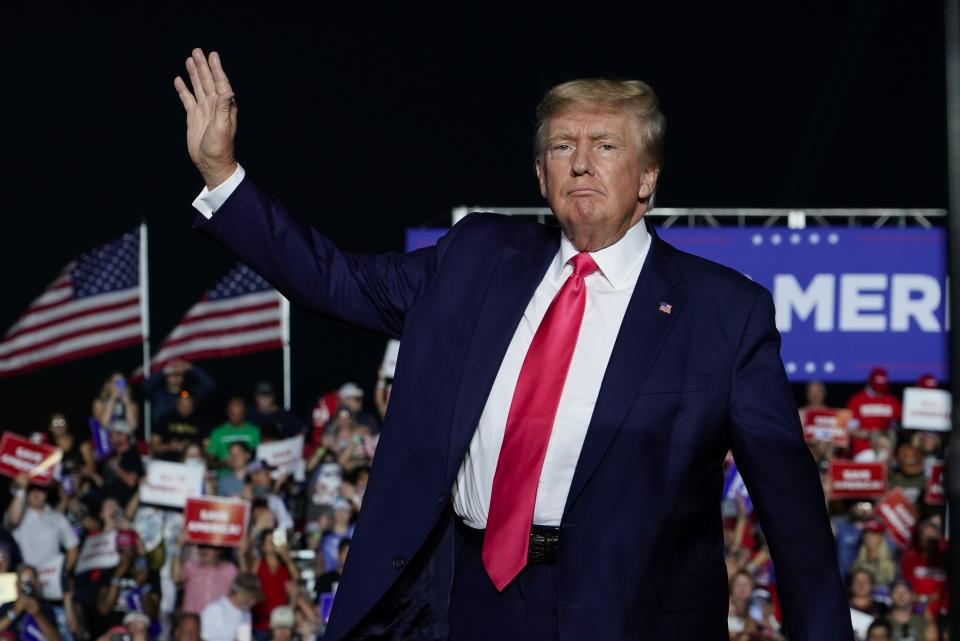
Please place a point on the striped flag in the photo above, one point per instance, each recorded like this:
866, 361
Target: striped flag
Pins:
241, 314
733, 487
93, 306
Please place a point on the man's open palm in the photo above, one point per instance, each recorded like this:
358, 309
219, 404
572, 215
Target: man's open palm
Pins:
211, 117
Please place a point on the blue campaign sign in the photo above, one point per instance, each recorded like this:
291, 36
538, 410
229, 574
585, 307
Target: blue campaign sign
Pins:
847, 299
424, 237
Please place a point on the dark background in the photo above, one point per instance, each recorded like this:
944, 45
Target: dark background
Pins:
365, 123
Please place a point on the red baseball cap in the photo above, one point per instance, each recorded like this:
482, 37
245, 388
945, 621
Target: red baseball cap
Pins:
878, 380
126, 539
928, 381
874, 525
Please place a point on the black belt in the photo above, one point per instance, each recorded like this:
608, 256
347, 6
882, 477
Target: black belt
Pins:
544, 541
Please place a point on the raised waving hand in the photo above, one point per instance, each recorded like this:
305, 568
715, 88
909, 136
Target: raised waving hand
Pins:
211, 117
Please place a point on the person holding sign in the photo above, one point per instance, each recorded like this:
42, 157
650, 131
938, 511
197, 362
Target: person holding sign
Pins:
40, 532
45, 539
128, 588
204, 578
28, 617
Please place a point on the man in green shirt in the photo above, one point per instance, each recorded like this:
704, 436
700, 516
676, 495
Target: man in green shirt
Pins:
237, 428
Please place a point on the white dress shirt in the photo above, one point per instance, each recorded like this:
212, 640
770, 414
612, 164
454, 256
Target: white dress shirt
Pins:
210, 201
608, 294
221, 620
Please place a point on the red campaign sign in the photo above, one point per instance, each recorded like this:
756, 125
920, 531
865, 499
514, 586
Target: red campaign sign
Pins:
935, 495
828, 425
850, 480
899, 515
19, 455
215, 521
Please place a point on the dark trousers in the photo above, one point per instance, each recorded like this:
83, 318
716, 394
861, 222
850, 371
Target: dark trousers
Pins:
527, 610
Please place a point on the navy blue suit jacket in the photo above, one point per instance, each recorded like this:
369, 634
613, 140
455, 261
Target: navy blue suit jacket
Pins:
642, 543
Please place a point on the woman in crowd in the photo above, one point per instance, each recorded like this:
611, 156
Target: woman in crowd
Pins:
77, 453
115, 403
861, 594
924, 565
275, 569
741, 597
874, 554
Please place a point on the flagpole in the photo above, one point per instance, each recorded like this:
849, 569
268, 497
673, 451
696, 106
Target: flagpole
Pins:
285, 339
145, 323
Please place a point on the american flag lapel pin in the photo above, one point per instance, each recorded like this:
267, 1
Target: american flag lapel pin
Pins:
665, 308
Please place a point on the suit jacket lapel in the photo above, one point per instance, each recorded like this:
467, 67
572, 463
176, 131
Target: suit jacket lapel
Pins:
641, 335
515, 278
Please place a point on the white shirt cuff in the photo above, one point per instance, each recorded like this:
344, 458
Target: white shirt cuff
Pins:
209, 201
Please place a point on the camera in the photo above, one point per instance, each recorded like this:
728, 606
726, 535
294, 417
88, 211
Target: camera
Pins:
27, 589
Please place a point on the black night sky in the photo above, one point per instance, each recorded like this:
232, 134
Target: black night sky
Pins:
365, 122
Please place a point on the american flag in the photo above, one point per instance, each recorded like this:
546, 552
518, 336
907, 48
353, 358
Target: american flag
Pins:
733, 487
92, 306
241, 314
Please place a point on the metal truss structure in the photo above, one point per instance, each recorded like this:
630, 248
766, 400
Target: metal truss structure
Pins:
758, 217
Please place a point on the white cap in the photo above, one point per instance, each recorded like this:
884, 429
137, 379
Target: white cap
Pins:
282, 617
136, 616
121, 426
349, 390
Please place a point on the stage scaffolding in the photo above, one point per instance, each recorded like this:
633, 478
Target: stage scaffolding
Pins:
760, 217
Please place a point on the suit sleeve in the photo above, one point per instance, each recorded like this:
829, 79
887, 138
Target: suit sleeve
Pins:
370, 291
784, 484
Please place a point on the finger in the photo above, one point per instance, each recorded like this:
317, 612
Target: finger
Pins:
204, 69
189, 102
225, 105
198, 91
224, 114
220, 81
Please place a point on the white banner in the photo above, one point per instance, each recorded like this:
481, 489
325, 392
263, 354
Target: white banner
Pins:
49, 574
169, 484
926, 409
8, 587
98, 552
285, 455
390, 358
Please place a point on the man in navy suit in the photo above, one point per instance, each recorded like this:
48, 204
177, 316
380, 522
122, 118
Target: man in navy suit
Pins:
551, 463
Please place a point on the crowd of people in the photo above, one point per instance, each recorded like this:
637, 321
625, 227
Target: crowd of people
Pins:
897, 588
280, 582
277, 584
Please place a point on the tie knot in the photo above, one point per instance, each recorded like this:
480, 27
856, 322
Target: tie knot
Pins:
583, 265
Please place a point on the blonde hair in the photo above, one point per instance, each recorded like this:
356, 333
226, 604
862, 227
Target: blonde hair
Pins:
633, 96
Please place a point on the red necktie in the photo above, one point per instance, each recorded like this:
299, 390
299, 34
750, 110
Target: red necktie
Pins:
529, 423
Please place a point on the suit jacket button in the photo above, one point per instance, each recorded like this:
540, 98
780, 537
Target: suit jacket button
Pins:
398, 562
442, 497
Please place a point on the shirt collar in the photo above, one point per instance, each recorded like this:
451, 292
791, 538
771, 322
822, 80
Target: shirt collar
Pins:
618, 261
